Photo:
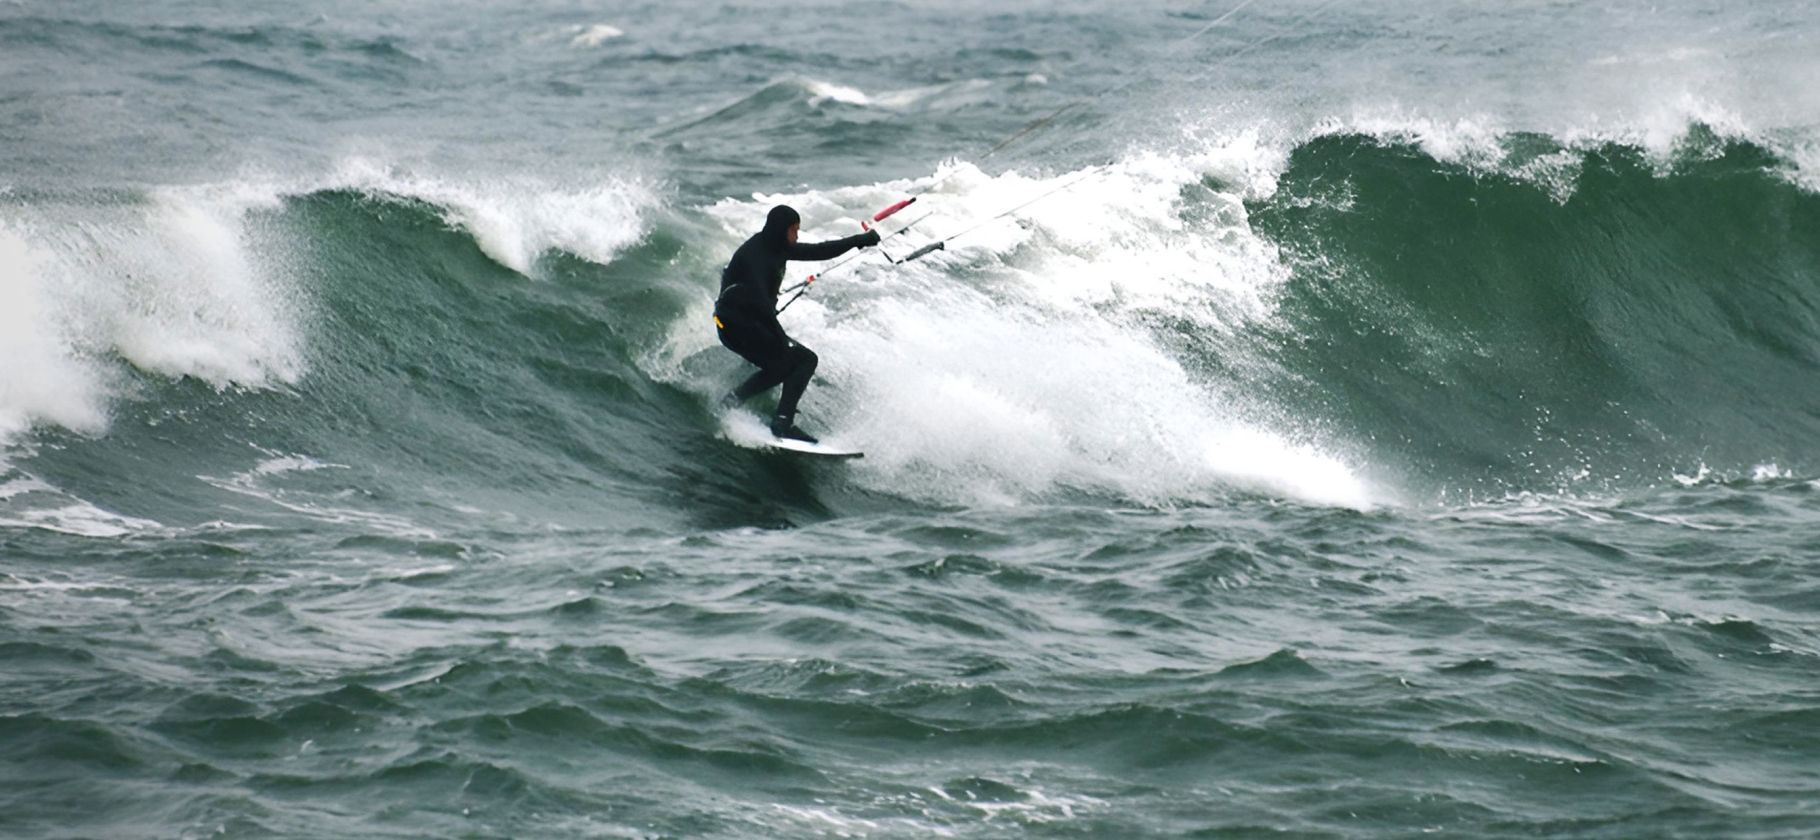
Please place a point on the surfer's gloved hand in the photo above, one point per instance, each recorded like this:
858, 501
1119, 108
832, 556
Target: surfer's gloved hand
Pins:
867, 239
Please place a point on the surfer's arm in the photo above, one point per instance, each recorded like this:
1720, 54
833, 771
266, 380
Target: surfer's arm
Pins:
830, 249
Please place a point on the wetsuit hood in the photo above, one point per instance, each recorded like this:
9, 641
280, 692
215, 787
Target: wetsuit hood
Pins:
779, 221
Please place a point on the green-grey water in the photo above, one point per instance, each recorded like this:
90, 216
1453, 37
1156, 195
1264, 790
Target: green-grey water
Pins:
1376, 420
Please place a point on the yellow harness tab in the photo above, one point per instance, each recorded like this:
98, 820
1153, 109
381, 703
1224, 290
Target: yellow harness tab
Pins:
718, 324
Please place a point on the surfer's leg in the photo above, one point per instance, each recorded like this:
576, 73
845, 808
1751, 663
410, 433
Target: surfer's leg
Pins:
759, 348
797, 368
763, 380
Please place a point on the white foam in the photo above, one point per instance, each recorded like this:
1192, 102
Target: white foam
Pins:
170, 285
192, 299
80, 518
1662, 126
1806, 157
823, 91
1659, 126
191, 281
27, 501
589, 37
42, 375
1677, 55
265, 481
1475, 141
1028, 358
963, 90
515, 221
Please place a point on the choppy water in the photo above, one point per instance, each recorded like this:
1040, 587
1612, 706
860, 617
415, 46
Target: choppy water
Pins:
1383, 419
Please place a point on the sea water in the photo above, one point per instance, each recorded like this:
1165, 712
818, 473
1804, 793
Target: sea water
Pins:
1328, 420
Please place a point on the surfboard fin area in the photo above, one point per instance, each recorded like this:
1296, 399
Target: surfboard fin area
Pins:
750, 432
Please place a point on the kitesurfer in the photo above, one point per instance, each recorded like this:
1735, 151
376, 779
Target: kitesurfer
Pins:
745, 316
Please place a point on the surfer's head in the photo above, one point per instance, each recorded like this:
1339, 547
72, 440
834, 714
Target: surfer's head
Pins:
783, 223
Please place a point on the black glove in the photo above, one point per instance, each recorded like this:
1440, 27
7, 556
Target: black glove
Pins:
867, 239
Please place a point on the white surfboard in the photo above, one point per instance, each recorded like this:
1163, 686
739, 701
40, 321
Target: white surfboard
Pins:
749, 431
820, 450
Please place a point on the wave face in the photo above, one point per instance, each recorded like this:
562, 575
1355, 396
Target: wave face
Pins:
350, 337
1555, 316
1354, 322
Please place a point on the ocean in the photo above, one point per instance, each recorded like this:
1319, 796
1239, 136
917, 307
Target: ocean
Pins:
1324, 419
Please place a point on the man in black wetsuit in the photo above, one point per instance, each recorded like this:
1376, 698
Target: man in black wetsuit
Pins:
745, 316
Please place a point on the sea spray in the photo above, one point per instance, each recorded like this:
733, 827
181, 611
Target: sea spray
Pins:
44, 379
1047, 352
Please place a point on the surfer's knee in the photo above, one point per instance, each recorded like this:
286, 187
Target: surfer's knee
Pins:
804, 358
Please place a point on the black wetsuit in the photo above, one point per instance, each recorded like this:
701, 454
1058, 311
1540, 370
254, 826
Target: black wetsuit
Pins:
746, 313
